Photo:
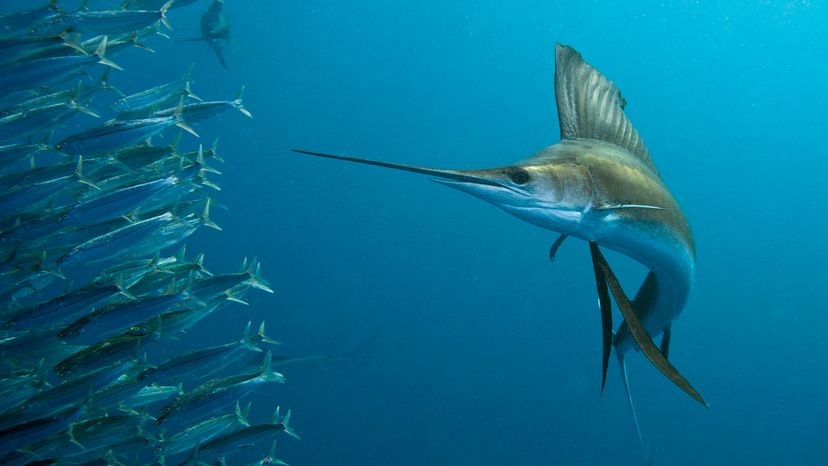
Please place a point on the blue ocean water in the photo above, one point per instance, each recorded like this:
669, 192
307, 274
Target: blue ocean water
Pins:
478, 349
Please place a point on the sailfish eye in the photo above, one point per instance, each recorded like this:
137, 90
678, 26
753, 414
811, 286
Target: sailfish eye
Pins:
519, 175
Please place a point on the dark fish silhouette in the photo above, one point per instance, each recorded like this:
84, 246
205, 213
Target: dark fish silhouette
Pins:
215, 30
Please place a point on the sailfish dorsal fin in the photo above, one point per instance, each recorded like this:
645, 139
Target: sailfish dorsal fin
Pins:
591, 107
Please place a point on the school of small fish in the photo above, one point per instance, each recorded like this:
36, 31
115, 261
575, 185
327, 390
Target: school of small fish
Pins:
94, 279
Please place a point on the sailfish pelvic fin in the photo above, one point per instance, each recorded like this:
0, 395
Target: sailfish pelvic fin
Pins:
624, 378
665, 341
639, 333
606, 318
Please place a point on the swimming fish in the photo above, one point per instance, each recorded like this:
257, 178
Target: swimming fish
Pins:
215, 30
600, 185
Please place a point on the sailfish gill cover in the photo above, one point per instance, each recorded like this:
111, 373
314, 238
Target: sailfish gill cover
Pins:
417, 325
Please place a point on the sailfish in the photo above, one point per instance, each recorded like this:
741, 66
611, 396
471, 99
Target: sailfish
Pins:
215, 30
598, 184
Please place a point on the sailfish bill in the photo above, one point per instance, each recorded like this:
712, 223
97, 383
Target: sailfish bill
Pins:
642, 338
453, 175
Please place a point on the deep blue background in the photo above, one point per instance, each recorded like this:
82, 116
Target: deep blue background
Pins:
487, 353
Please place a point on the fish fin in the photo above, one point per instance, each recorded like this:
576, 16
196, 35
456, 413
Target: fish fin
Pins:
41, 266
79, 174
246, 411
219, 205
248, 329
81, 108
231, 297
249, 340
286, 425
103, 82
220, 56
199, 260
101, 53
624, 378
142, 431
187, 80
204, 167
181, 255
123, 290
205, 217
261, 335
154, 263
639, 333
256, 280
209, 184
590, 106
237, 103
267, 363
605, 305
70, 431
183, 125
241, 416
136, 42
214, 151
72, 40
110, 459
179, 118
188, 75
163, 12
665, 341
271, 457
553, 251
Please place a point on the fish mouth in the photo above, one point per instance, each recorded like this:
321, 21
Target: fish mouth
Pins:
452, 178
464, 180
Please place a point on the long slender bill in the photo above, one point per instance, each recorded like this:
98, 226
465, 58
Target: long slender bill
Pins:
456, 175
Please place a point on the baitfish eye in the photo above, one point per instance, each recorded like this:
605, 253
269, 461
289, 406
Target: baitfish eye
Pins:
519, 176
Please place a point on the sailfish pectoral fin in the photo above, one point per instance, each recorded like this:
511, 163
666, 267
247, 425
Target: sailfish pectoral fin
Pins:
606, 313
639, 333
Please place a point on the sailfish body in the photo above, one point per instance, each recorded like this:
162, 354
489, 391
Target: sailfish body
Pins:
215, 30
600, 185
619, 202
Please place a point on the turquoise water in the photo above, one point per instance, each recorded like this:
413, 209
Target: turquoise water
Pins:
481, 351
488, 353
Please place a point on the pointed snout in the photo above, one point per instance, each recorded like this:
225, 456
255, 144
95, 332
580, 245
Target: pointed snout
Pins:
452, 178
